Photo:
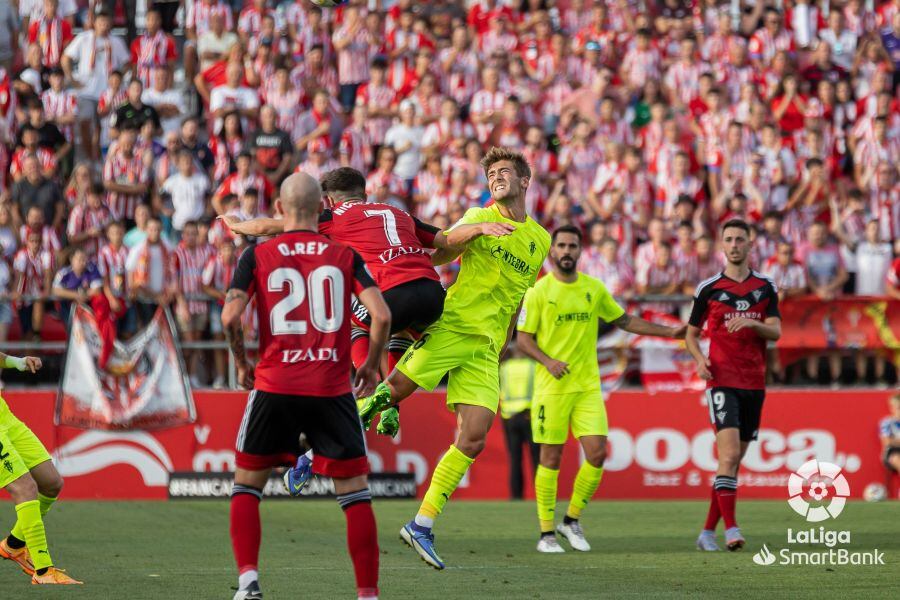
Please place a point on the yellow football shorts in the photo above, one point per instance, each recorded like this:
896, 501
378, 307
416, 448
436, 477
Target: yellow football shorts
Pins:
20, 449
552, 415
471, 360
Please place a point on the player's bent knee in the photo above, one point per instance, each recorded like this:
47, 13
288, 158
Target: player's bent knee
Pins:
470, 447
596, 457
23, 489
551, 456
53, 487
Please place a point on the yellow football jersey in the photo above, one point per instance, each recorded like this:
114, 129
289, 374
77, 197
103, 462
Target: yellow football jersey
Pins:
563, 317
494, 275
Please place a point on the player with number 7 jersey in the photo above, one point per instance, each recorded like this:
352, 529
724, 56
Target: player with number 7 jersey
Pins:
395, 247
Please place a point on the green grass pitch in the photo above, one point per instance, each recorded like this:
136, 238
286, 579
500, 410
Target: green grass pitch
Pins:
181, 550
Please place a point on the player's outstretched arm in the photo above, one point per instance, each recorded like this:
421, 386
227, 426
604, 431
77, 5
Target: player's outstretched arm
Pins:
253, 227
692, 341
461, 235
769, 330
641, 326
380, 315
25, 363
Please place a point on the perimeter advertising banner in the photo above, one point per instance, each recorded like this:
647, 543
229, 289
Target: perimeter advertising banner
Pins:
661, 446
143, 386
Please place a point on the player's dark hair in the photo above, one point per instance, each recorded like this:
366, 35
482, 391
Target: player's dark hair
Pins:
814, 162
566, 229
251, 191
189, 224
342, 183
496, 154
738, 223
112, 224
773, 214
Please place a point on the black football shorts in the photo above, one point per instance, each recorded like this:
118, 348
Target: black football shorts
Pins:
269, 434
733, 407
414, 305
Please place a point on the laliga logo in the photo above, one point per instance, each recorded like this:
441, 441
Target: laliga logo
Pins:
818, 475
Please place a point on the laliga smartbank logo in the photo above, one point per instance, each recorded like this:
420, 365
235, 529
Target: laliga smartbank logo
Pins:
818, 491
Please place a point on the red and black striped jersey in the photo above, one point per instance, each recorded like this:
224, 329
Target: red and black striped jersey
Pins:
738, 359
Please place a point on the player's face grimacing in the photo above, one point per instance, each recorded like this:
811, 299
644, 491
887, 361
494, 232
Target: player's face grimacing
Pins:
736, 245
503, 182
565, 252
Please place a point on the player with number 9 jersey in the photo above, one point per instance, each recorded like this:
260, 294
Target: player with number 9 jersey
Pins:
302, 282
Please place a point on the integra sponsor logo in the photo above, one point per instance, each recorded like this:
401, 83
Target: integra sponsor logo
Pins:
570, 317
511, 259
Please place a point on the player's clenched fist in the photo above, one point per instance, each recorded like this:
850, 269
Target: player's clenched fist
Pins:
497, 229
558, 368
32, 363
244, 374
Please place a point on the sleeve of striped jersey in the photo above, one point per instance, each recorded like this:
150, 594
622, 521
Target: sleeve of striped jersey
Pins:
245, 271
698, 310
362, 279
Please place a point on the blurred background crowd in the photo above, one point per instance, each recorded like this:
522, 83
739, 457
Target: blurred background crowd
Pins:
126, 127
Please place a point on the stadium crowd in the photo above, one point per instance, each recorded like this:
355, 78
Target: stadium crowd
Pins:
646, 124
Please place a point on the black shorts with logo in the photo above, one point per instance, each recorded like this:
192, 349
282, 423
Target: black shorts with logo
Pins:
887, 455
733, 407
269, 434
414, 305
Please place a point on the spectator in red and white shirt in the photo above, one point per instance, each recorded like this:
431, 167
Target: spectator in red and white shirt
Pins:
246, 177
351, 41
233, 95
60, 105
155, 48
640, 63
30, 149
87, 221
682, 79
34, 221
381, 101
383, 185
34, 269
459, 66
355, 148
192, 312
125, 177
662, 276
487, 103
250, 20
321, 122
769, 40
111, 306
216, 278
51, 32
615, 273
440, 134
789, 275
281, 95
318, 160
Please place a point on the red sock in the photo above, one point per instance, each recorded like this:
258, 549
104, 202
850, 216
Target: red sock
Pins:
393, 359
362, 541
726, 491
245, 528
397, 347
359, 350
714, 514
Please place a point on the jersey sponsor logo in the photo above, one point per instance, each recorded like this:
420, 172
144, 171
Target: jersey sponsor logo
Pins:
746, 315
573, 317
298, 355
742, 305
302, 248
392, 253
518, 264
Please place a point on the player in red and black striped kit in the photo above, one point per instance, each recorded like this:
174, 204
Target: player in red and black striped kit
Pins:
740, 309
302, 282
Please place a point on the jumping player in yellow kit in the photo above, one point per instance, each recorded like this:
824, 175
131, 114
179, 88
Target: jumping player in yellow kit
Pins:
558, 327
33, 483
502, 252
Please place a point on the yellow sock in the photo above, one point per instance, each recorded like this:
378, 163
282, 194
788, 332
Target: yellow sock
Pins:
46, 502
446, 477
29, 515
586, 483
545, 481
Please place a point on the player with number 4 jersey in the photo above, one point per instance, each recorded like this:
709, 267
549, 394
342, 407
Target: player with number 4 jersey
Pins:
739, 308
